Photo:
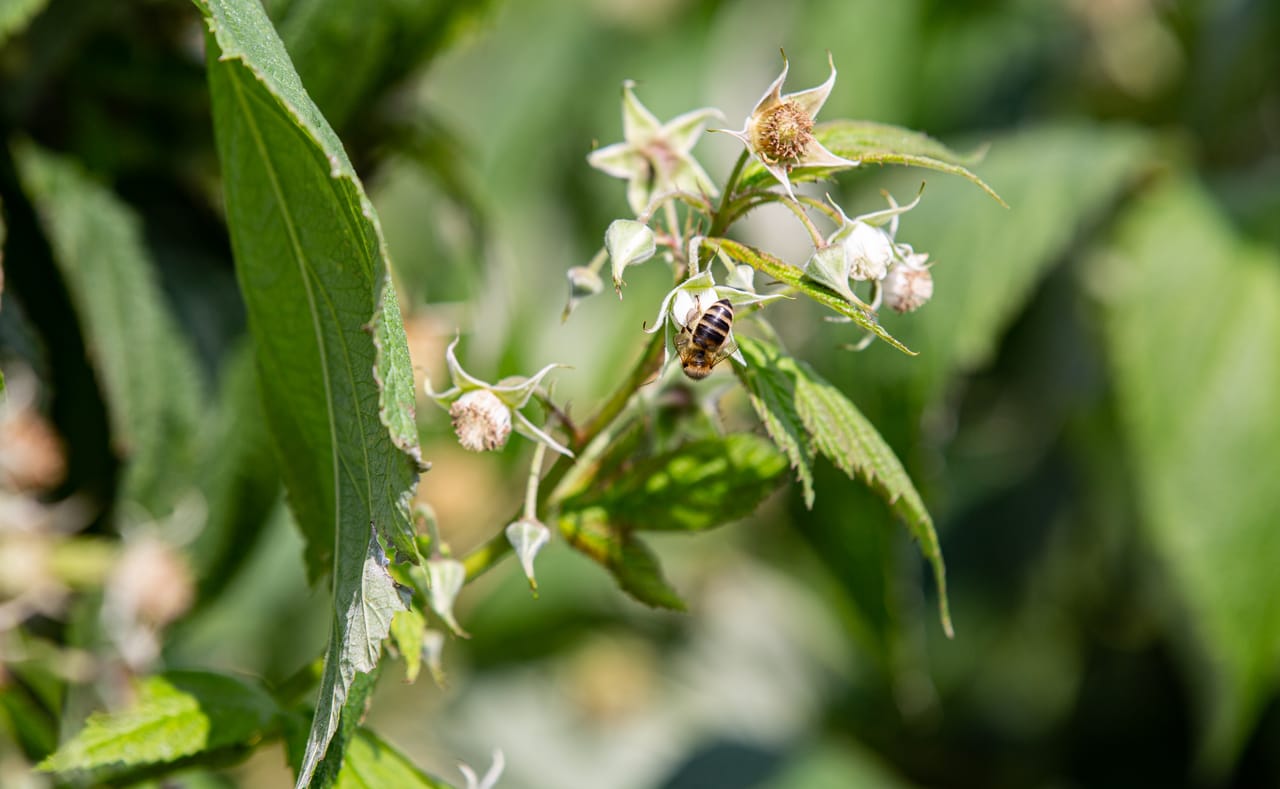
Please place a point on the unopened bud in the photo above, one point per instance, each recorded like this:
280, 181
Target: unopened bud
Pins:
629, 242
869, 251
481, 420
527, 537
583, 282
446, 577
907, 287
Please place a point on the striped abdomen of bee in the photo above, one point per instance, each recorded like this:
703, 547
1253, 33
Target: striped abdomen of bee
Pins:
704, 341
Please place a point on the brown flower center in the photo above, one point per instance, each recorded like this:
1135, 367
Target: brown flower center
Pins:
783, 133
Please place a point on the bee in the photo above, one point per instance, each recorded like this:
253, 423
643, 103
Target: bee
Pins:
704, 341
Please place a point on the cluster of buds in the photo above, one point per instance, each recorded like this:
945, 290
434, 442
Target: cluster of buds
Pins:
864, 249
656, 160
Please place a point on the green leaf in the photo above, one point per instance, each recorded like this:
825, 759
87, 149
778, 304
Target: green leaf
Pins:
698, 486
330, 345
837, 429
15, 15
1197, 380
408, 629
177, 715
879, 143
631, 562
143, 362
371, 763
790, 275
1059, 180
772, 391
354, 709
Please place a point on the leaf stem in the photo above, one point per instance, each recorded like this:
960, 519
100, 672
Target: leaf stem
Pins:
482, 558
531, 487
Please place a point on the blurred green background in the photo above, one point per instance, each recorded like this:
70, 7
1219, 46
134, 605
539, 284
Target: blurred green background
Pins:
1093, 419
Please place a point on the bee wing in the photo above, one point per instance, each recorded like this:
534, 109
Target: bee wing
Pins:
729, 348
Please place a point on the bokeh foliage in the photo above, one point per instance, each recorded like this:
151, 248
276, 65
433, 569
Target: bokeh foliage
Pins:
1092, 417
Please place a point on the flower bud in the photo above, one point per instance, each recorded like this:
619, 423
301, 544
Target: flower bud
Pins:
446, 577
527, 536
629, 242
907, 287
583, 282
481, 420
869, 251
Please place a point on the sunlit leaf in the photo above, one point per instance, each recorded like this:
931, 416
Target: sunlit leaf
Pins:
698, 486
328, 338
879, 143
772, 391
143, 362
632, 563
372, 763
837, 429
1197, 376
408, 628
176, 715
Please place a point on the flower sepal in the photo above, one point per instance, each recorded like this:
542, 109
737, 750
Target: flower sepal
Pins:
484, 414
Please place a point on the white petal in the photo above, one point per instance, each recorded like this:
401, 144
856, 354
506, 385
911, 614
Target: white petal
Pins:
887, 215
461, 378
773, 95
816, 155
811, 100
532, 432
638, 124
682, 131
621, 160
517, 393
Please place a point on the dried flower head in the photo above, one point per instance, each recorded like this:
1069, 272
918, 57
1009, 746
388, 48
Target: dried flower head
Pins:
779, 131
484, 414
909, 284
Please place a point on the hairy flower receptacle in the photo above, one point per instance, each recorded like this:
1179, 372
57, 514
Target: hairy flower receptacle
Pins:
481, 420
907, 287
783, 134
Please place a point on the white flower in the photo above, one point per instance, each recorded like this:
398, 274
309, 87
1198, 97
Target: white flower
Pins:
484, 414
909, 284
655, 157
861, 249
779, 131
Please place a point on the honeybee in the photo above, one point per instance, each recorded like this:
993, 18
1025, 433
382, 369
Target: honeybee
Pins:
704, 341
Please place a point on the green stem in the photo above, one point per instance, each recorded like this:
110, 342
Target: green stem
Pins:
720, 222
480, 559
